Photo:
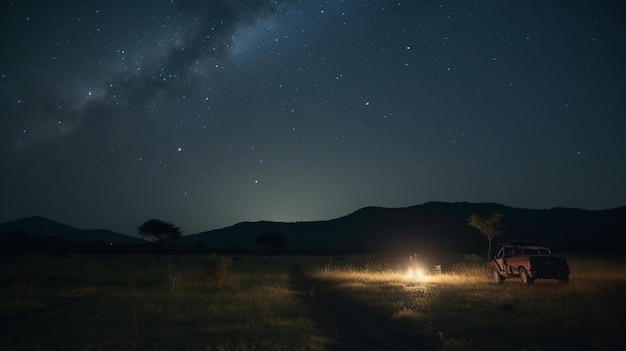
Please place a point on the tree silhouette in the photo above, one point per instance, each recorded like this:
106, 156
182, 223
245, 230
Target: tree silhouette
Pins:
160, 231
272, 241
490, 227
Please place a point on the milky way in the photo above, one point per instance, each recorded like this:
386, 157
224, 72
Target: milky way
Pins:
208, 113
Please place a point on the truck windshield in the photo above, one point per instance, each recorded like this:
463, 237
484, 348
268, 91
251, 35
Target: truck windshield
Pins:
539, 251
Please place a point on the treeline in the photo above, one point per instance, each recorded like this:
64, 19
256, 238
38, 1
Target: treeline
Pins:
20, 243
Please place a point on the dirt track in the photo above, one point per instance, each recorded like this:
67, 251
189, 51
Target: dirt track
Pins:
353, 326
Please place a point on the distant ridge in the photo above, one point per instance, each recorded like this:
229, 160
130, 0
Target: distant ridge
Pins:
432, 226
44, 227
429, 227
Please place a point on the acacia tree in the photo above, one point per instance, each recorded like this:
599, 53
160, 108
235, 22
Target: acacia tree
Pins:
490, 227
272, 241
160, 231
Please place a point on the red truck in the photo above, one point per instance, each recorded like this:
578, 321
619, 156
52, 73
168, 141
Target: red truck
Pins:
529, 262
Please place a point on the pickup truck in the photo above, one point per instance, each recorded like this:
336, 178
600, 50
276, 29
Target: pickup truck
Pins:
528, 262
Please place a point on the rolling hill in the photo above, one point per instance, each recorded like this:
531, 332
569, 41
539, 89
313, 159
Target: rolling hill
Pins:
432, 227
44, 227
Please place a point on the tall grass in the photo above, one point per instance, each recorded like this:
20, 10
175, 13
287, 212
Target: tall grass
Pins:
464, 310
249, 303
141, 303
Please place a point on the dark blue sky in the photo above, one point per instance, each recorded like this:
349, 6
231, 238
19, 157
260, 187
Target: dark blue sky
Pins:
208, 113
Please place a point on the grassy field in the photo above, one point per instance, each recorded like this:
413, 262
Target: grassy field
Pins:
302, 303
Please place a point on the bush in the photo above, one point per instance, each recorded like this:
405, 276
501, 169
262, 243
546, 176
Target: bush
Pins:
475, 259
216, 269
23, 285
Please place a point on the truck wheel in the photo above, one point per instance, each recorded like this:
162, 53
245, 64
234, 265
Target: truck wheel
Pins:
564, 278
526, 279
496, 276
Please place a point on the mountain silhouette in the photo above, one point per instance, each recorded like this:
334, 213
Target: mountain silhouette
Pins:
44, 227
436, 227
433, 227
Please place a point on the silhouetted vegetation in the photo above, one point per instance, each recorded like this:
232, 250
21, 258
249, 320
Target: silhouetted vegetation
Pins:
159, 230
272, 241
490, 227
17, 243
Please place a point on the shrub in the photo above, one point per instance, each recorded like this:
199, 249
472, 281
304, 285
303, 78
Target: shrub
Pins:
216, 269
474, 259
23, 285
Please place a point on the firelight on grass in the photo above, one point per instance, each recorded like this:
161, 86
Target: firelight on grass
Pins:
417, 274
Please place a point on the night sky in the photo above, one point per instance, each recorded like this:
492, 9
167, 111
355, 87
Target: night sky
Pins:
209, 113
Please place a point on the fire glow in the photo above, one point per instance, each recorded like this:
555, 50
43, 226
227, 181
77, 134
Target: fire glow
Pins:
417, 273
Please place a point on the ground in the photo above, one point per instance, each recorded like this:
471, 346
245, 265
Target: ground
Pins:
353, 325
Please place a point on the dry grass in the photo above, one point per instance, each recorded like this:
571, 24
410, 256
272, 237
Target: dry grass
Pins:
140, 303
464, 310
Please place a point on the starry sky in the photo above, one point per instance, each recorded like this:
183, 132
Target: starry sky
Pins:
210, 113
